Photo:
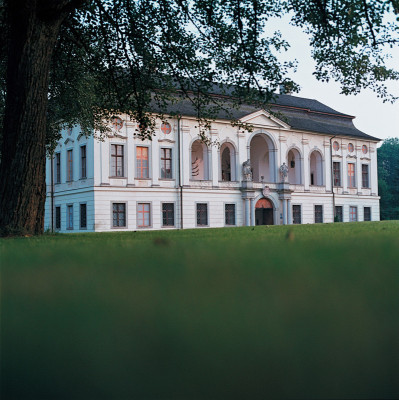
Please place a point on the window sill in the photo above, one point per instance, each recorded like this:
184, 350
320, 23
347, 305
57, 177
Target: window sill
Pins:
142, 179
167, 179
117, 177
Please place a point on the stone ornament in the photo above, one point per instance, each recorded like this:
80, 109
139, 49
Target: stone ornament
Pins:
284, 172
247, 170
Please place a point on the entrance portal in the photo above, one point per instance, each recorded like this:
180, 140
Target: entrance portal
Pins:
264, 212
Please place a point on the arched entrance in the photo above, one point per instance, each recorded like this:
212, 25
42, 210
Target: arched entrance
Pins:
264, 212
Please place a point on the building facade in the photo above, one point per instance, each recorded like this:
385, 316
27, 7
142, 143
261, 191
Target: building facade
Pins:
309, 166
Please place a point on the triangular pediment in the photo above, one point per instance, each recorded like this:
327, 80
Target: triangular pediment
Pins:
264, 119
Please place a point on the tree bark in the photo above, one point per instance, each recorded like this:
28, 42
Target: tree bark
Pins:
33, 31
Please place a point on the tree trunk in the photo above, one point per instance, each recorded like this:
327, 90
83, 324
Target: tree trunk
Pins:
33, 33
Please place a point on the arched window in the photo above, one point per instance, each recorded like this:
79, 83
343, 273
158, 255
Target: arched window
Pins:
227, 162
294, 167
262, 158
316, 168
199, 161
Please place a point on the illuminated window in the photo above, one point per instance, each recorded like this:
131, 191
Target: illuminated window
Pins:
350, 148
296, 214
364, 149
318, 214
117, 160
143, 215
351, 175
336, 146
166, 163
352, 214
118, 215
337, 173
202, 214
142, 162
166, 128
230, 214
168, 214
117, 123
69, 165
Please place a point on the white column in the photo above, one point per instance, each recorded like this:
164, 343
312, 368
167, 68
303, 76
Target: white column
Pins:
247, 214
104, 159
344, 175
306, 173
252, 213
155, 162
289, 212
327, 165
185, 153
284, 212
130, 160
215, 166
373, 170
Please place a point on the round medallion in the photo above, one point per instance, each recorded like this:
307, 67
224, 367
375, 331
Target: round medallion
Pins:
336, 146
364, 149
350, 147
166, 128
117, 123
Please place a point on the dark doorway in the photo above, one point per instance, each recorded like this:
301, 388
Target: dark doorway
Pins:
264, 212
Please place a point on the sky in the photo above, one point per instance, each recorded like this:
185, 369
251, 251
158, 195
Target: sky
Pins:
373, 116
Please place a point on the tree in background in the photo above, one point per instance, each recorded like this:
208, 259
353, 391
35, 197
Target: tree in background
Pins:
66, 62
388, 178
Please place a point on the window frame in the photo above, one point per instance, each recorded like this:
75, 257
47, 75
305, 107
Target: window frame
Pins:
339, 174
69, 169
80, 216
163, 160
316, 213
350, 213
137, 176
57, 167
196, 214
235, 213
367, 175
68, 219
114, 159
351, 185
57, 218
112, 215
300, 214
342, 212
83, 162
364, 213
138, 215
174, 214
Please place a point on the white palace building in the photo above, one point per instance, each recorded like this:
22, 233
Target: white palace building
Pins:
311, 165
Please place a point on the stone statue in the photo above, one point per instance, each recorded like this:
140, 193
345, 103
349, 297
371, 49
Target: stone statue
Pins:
247, 171
284, 172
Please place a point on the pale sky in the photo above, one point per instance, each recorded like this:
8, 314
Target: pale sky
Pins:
372, 115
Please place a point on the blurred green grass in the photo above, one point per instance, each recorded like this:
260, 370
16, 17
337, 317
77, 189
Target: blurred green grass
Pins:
308, 311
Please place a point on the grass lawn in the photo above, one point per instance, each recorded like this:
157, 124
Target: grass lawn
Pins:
309, 311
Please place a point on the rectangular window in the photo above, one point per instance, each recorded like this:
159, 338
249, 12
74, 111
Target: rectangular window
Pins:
365, 176
202, 214
166, 163
367, 213
70, 165
296, 214
83, 162
118, 215
351, 175
337, 173
352, 214
142, 162
168, 214
338, 214
230, 214
117, 160
70, 217
83, 216
57, 162
58, 217
143, 215
318, 214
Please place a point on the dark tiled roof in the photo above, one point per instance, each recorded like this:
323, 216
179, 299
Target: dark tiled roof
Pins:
300, 113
